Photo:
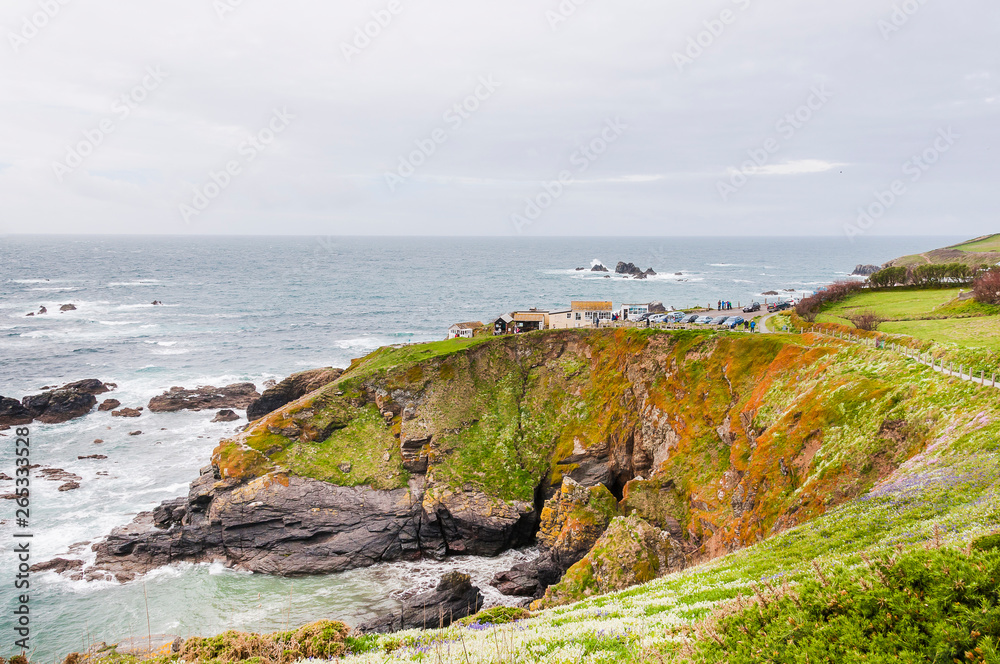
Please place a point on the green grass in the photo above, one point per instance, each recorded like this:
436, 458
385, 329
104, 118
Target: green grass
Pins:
977, 333
895, 304
390, 357
991, 243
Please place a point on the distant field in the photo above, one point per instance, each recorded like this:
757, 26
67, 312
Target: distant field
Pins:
977, 327
895, 304
991, 243
983, 332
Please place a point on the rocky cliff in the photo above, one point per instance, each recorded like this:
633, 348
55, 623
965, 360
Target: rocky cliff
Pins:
713, 440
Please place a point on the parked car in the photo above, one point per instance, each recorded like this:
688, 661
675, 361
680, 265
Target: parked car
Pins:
784, 305
734, 321
718, 320
753, 307
676, 317
659, 318
704, 320
690, 319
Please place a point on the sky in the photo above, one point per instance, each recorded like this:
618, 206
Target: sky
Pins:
501, 117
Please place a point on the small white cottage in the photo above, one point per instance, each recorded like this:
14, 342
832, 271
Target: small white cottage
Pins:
463, 330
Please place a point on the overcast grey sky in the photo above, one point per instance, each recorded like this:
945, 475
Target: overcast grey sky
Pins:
461, 117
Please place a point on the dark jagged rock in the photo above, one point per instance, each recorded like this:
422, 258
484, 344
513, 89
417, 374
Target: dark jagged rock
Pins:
627, 268
294, 387
571, 522
599, 268
127, 412
65, 403
92, 456
650, 272
454, 598
58, 565
13, 413
69, 486
109, 404
225, 416
67, 307
865, 270
294, 526
657, 308
238, 395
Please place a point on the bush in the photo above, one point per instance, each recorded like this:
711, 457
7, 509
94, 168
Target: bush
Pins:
323, 639
987, 287
924, 606
987, 543
498, 615
866, 320
809, 307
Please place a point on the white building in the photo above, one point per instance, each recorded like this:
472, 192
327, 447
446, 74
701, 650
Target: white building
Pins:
632, 311
463, 330
581, 314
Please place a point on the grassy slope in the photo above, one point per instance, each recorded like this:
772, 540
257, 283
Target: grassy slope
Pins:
928, 314
974, 252
950, 488
988, 243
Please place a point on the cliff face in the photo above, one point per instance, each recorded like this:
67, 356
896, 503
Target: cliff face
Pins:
718, 440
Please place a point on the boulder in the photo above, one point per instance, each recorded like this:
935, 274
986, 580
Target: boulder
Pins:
127, 412
629, 553
627, 268
599, 268
92, 456
225, 416
650, 272
67, 307
135, 433
657, 308
865, 270
238, 396
109, 404
13, 413
58, 565
65, 403
454, 598
294, 387
69, 486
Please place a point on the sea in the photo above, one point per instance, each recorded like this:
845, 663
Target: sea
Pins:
254, 309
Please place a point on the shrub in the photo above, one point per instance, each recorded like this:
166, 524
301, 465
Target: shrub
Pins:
987, 543
987, 287
498, 615
323, 639
810, 306
924, 606
866, 320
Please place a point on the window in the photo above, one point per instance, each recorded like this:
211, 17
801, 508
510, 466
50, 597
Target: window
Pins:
578, 315
568, 316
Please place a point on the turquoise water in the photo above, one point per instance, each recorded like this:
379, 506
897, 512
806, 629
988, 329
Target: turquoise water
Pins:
253, 309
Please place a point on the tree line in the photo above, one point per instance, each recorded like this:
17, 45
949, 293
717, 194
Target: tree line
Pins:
927, 275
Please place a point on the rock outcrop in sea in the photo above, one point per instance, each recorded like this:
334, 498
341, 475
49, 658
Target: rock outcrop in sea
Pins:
68, 402
238, 395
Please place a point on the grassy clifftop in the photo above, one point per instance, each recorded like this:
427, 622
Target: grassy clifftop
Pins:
726, 439
978, 251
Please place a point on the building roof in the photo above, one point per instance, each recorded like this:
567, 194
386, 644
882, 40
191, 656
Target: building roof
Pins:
467, 326
530, 316
507, 318
583, 305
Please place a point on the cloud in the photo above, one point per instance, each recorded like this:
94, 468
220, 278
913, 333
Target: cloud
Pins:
225, 73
